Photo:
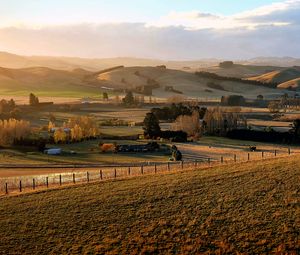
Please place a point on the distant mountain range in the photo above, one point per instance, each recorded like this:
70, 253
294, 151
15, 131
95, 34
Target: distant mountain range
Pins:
69, 63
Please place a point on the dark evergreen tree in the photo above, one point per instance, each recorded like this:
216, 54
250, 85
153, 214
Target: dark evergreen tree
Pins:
296, 128
33, 100
151, 125
105, 96
128, 100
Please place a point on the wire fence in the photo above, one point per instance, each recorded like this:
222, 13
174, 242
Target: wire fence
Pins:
13, 185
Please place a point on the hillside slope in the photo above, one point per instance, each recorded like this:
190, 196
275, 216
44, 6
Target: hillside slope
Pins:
241, 71
79, 82
251, 208
280, 77
292, 84
44, 81
186, 82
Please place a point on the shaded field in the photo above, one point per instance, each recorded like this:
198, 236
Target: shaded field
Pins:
252, 208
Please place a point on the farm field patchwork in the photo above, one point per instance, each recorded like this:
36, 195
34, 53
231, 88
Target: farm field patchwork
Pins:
252, 208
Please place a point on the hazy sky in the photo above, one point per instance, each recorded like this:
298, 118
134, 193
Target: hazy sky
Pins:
166, 29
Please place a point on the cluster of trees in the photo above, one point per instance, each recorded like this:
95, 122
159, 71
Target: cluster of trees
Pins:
39, 143
75, 130
235, 79
233, 100
33, 100
8, 109
12, 130
152, 130
263, 136
218, 122
226, 64
190, 124
172, 112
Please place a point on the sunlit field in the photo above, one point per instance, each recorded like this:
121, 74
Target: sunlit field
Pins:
249, 208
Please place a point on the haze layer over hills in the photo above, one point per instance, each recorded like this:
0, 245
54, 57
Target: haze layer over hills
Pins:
77, 77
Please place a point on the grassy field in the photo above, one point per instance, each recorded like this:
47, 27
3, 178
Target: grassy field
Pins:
252, 208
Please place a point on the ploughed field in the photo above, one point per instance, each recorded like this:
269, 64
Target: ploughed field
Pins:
250, 208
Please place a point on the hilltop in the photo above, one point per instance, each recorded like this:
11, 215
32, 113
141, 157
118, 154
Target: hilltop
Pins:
249, 208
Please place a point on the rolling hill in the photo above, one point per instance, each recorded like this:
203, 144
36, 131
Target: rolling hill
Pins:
45, 81
250, 208
286, 78
292, 84
186, 82
241, 71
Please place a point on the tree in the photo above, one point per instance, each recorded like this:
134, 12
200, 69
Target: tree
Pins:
260, 97
60, 136
296, 128
105, 96
87, 124
76, 133
33, 100
226, 64
51, 125
189, 124
274, 107
151, 125
233, 100
128, 100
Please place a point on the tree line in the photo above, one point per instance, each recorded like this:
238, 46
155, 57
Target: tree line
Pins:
170, 113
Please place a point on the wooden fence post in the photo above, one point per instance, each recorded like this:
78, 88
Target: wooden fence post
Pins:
20, 186
168, 166
33, 183
248, 156
101, 176
289, 151
275, 153
88, 176
60, 180
47, 182
74, 179
222, 160
115, 173
155, 168
129, 170
6, 188
262, 154
234, 157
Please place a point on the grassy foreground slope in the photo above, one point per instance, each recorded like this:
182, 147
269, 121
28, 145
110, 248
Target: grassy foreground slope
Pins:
251, 208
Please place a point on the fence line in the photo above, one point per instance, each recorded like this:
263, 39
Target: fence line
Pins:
26, 183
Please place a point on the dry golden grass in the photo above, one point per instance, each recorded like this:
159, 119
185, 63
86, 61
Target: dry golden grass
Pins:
252, 208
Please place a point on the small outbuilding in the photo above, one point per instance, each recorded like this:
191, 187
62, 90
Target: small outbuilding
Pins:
54, 151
